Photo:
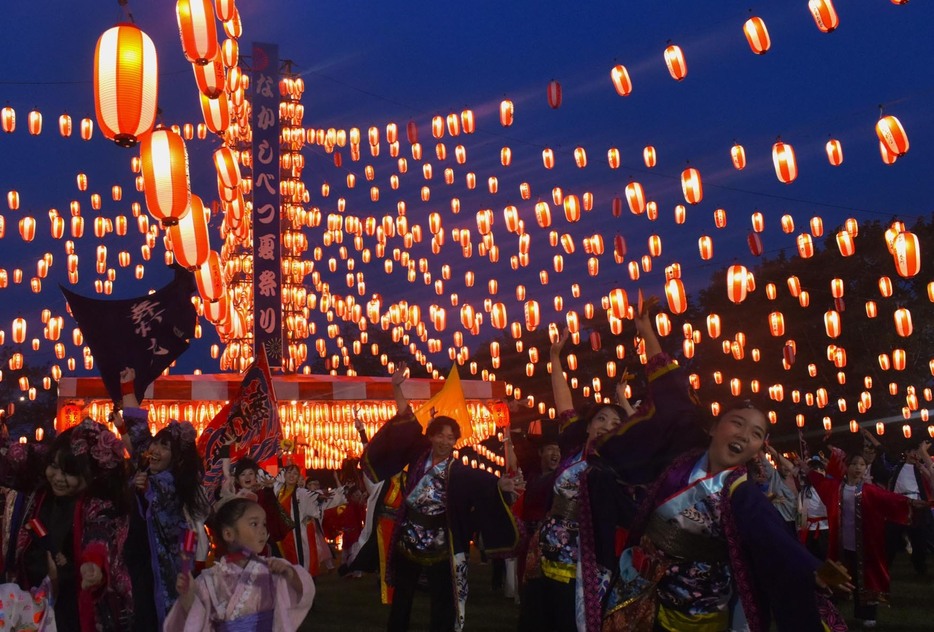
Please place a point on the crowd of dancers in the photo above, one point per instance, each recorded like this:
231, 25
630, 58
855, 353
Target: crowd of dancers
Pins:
645, 517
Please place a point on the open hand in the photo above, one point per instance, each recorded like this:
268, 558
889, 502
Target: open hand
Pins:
558, 346
91, 576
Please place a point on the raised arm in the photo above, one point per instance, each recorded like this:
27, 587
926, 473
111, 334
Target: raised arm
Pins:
559, 384
398, 379
644, 328
621, 398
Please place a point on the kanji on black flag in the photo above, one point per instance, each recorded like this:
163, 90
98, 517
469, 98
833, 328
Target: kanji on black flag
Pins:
146, 333
249, 424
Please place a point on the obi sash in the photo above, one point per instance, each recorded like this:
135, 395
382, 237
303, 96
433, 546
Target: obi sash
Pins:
256, 622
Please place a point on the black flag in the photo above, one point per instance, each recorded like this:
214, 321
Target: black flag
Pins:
146, 333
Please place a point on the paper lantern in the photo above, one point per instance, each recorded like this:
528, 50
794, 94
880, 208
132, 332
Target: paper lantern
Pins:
755, 244
635, 197
892, 135
8, 119
620, 77
19, 330
832, 323
899, 359
677, 297
757, 35
805, 246
209, 77
907, 254
713, 326
674, 59
126, 84
886, 154
216, 113
197, 30
580, 157
165, 174
783, 158
824, 14
649, 156
903, 326
736, 283
738, 156
228, 169
691, 186
834, 152
719, 218
554, 95
885, 286
548, 158
572, 208
776, 324
506, 112
190, 240
705, 247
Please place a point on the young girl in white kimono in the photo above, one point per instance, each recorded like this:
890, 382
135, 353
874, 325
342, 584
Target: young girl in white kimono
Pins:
242, 591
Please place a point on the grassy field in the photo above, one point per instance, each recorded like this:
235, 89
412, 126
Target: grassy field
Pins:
353, 605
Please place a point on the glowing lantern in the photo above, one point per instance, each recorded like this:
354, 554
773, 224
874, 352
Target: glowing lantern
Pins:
888, 157
738, 156
27, 228
126, 81
834, 152
674, 59
677, 298
892, 135
620, 77
216, 113
845, 243
580, 157
832, 323
783, 158
532, 315
705, 246
34, 122
903, 326
824, 14
498, 316
165, 173
736, 283
572, 210
19, 330
190, 242
757, 35
899, 359
506, 113
776, 324
805, 246
907, 253
228, 169
8, 119
871, 309
197, 30
885, 286
548, 158
719, 218
635, 197
691, 186
648, 156
554, 94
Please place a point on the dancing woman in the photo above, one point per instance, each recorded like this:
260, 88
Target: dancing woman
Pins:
444, 502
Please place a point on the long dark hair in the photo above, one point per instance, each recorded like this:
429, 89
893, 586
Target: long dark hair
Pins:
187, 470
71, 451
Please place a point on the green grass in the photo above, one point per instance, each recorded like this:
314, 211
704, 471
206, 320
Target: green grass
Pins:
353, 604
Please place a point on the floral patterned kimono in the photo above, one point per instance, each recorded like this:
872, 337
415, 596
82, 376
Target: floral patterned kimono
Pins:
713, 554
27, 610
231, 598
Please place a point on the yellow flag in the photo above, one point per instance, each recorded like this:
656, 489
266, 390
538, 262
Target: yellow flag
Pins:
450, 402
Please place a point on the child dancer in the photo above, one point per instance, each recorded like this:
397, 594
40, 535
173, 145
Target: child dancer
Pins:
243, 590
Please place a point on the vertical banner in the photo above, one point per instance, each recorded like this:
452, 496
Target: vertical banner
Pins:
267, 275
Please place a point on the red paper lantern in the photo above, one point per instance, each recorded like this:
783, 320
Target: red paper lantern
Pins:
824, 14
705, 247
677, 297
126, 84
190, 241
635, 197
209, 77
903, 326
506, 112
738, 156
674, 59
907, 253
892, 135
737, 280
649, 156
757, 35
691, 186
834, 152
164, 162
786, 167
197, 30
832, 323
620, 77
554, 94
755, 244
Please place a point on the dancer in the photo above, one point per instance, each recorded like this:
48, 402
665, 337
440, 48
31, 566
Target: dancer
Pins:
169, 503
444, 502
75, 508
303, 508
243, 590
